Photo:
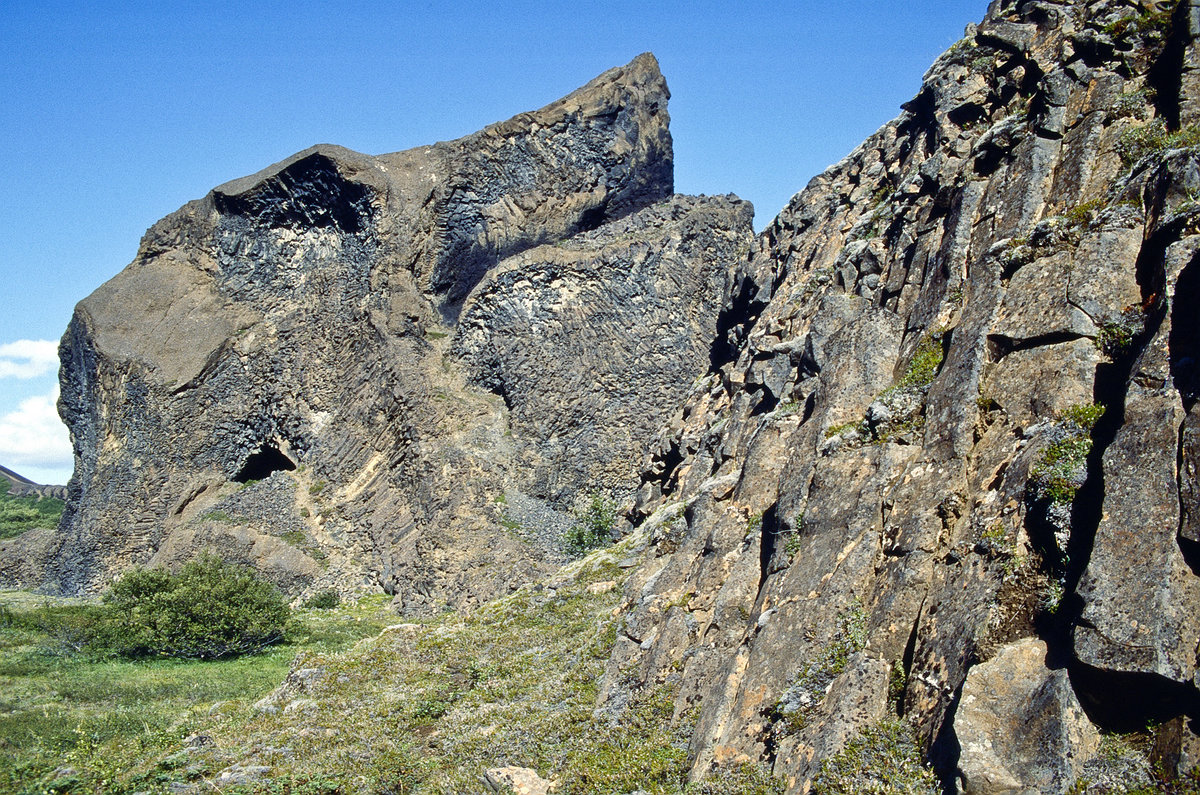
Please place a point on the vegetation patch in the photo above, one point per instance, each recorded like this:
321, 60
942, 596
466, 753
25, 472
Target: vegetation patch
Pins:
593, 526
76, 720
18, 514
808, 688
210, 609
1060, 470
428, 707
882, 759
1081, 215
323, 600
1135, 143
925, 363
1115, 336
1132, 104
1150, 22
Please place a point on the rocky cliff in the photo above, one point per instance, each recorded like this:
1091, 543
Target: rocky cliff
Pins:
295, 370
947, 472
913, 470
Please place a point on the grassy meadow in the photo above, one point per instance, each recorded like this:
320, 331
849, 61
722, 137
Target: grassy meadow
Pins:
373, 704
74, 721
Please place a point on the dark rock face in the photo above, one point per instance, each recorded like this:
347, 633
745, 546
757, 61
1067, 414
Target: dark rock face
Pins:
954, 408
662, 275
279, 374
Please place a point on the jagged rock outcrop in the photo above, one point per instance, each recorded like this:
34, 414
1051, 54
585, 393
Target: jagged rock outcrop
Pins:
281, 375
952, 414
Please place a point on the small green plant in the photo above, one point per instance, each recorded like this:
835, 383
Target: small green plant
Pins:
838, 430
324, 600
593, 527
883, 758
1083, 214
1084, 415
1135, 143
982, 63
1132, 104
1059, 470
1115, 336
1017, 254
926, 361
296, 538
754, 525
995, 543
807, 689
897, 684
793, 543
210, 609
317, 488
1149, 22
1052, 596
789, 408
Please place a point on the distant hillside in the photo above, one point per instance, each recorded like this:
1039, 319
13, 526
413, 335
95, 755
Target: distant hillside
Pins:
25, 505
20, 486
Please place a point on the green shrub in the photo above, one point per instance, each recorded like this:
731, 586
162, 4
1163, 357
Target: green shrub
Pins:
1149, 22
210, 609
1115, 336
884, 758
1083, 214
926, 362
325, 600
1134, 143
1060, 469
593, 527
1085, 415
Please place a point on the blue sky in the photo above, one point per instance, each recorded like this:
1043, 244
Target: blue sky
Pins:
115, 114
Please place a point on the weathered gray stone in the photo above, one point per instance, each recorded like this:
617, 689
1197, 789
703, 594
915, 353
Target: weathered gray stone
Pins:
996, 215
1020, 726
843, 441
292, 328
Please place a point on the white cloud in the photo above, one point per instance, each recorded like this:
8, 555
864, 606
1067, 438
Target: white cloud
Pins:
28, 358
33, 437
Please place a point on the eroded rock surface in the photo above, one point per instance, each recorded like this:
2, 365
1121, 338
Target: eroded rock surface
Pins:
282, 375
953, 411
922, 457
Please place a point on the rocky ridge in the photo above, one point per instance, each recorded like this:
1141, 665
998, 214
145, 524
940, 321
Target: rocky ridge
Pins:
952, 435
294, 371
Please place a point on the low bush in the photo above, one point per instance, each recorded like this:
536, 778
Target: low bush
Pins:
210, 609
325, 600
593, 527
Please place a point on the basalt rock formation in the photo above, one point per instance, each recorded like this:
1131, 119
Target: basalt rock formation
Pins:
948, 472
290, 371
922, 454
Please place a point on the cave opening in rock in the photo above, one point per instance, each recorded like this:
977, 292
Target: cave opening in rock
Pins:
263, 463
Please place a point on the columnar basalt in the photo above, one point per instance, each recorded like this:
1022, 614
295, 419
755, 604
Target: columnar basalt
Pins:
280, 375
